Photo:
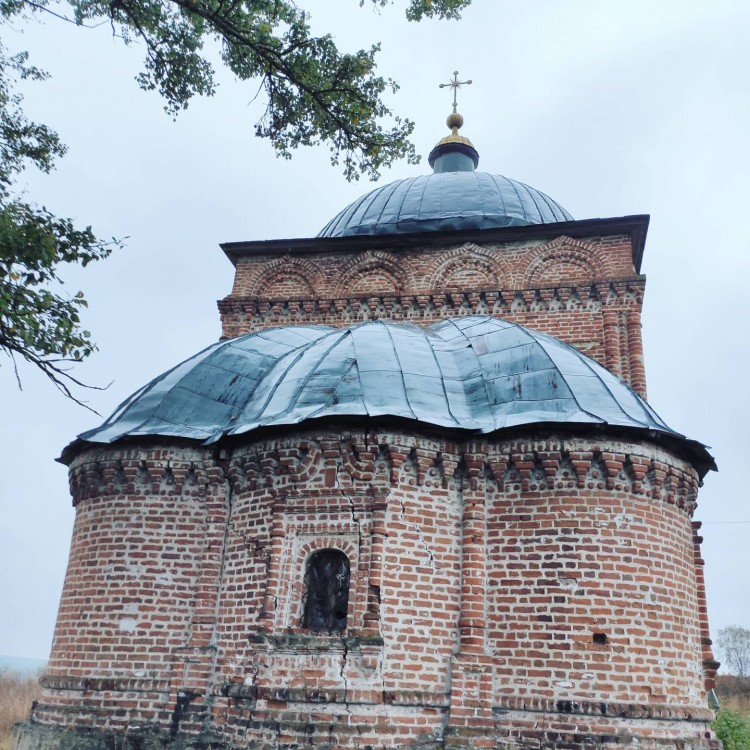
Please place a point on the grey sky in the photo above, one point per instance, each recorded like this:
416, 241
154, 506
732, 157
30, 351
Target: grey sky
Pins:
612, 108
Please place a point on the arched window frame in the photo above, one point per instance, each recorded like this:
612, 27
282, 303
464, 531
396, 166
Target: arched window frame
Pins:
326, 591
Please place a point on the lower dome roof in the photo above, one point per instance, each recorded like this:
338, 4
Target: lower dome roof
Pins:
445, 201
476, 374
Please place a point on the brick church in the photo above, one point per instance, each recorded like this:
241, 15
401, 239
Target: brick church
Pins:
413, 498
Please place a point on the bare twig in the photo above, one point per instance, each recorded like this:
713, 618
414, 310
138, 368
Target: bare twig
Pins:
45, 9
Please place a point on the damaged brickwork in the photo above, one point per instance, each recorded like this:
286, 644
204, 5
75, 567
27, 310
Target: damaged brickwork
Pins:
503, 593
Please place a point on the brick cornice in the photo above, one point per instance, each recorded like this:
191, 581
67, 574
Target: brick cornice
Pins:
636, 226
255, 312
369, 462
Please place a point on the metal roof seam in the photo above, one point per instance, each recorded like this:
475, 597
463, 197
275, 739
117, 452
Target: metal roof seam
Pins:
557, 210
314, 414
530, 195
494, 178
452, 321
442, 376
554, 366
359, 373
296, 355
483, 201
418, 212
514, 185
445, 200
314, 369
477, 373
345, 216
121, 411
644, 407
400, 369
365, 203
585, 360
394, 191
122, 408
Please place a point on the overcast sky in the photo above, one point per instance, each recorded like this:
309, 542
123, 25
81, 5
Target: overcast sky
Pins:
612, 108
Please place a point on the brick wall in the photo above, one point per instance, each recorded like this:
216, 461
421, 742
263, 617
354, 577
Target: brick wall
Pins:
502, 592
131, 600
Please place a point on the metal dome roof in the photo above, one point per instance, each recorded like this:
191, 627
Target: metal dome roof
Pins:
454, 196
445, 201
476, 374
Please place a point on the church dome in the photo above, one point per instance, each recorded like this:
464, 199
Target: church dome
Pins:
454, 196
445, 201
476, 374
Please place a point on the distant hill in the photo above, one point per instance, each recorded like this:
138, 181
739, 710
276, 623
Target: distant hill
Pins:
20, 665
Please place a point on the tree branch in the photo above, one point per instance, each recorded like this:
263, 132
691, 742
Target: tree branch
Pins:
45, 9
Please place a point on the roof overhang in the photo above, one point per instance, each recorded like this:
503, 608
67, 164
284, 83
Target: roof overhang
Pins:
695, 453
635, 226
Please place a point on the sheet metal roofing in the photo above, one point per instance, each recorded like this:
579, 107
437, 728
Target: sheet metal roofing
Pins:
445, 201
476, 374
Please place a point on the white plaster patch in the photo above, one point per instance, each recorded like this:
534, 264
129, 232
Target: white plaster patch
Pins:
128, 624
623, 520
564, 683
571, 584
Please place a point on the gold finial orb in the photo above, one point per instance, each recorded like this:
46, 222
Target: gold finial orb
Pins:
454, 121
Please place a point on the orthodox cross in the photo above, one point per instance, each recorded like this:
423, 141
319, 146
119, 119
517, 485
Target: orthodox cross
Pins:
455, 84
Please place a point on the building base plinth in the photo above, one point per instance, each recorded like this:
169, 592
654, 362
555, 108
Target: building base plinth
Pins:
31, 736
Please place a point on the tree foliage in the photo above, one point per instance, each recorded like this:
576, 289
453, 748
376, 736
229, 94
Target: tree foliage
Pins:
732, 729
314, 93
734, 646
36, 322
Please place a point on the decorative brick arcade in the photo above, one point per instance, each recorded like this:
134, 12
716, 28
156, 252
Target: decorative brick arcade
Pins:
538, 587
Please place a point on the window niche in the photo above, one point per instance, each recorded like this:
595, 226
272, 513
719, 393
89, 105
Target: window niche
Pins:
326, 591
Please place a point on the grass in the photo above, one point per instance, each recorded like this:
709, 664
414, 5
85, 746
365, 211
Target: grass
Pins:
16, 695
734, 693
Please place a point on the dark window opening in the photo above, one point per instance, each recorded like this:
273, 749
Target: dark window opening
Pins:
600, 638
326, 591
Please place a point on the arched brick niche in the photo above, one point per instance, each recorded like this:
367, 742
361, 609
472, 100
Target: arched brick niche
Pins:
469, 267
371, 273
563, 262
496, 586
